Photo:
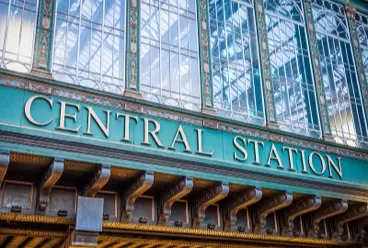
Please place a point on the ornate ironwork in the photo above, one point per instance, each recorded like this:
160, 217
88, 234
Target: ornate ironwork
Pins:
48, 181
141, 185
328, 210
299, 208
268, 206
206, 199
179, 190
98, 181
242, 201
4, 164
353, 213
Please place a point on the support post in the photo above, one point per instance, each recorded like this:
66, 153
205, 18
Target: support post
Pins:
4, 164
43, 46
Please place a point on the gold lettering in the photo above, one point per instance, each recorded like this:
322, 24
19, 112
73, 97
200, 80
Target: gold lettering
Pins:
290, 151
182, 139
64, 115
274, 155
127, 124
200, 145
28, 106
256, 150
240, 148
153, 133
337, 168
311, 164
302, 152
104, 129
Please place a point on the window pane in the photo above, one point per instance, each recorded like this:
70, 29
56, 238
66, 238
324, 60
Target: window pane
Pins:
345, 107
89, 44
17, 31
293, 83
237, 86
362, 32
169, 53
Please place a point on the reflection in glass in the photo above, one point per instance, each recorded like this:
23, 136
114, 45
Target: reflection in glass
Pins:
17, 31
169, 53
362, 31
292, 79
237, 89
89, 44
342, 90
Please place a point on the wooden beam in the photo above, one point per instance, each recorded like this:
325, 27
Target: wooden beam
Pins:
353, 213
141, 185
99, 180
48, 181
299, 208
35, 242
243, 201
176, 192
327, 210
4, 164
209, 197
271, 205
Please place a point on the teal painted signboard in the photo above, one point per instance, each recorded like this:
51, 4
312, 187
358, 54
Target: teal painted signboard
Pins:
54, 117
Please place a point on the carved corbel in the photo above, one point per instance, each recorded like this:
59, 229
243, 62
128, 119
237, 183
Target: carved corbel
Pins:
206, 199
271, 205
48, 181
243, 201
353, 213
299, 208
4, 164
328, 210
360, 232
98, 181
182, 188
141, 185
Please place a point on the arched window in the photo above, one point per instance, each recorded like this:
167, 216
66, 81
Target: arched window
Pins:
169, 70
17, 31
345, 106
362, 31
237, 88
291, 72
89, 44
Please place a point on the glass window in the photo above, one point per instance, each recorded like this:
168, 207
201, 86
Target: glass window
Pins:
17, 31
291, 72
362, 32
169, 71
237, 88
345, 107
89, 47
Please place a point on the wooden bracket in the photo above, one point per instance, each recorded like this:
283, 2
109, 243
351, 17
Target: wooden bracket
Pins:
327, 210
206, 199
182, 188
4, 164
48, 181
353, 213
299, 208
243, 201
271, 205
99, 180
360, 232
141, 185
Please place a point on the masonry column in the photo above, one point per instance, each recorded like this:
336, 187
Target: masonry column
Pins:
270, 111
132, 84
204, 56
44, 38
351, 14
320, 91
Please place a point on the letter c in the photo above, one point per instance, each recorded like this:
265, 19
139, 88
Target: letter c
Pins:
28, 106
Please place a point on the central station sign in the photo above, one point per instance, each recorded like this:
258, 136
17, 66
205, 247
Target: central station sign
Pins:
120, 129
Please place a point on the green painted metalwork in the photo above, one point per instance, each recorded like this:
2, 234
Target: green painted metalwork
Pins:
44, 35
321, 96
270, 110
